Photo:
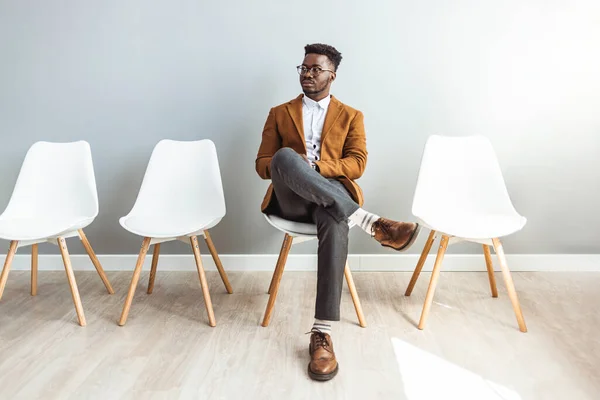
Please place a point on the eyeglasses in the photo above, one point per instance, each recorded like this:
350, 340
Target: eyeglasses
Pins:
314, 71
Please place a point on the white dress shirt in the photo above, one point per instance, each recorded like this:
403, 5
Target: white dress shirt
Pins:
313, 116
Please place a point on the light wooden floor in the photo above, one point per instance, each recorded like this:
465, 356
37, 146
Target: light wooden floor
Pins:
471, 347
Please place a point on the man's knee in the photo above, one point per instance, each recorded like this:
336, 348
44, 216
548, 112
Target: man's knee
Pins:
283, 156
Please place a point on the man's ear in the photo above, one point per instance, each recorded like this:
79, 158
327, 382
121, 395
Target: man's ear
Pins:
332, 77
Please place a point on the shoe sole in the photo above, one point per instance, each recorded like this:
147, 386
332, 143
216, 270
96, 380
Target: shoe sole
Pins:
410, 241
323, 377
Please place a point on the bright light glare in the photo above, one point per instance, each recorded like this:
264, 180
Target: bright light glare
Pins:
428, 377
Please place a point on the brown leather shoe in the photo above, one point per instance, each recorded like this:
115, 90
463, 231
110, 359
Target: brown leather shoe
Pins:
323, 365
397, 235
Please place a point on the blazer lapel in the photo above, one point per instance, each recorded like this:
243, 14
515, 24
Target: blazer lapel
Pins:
333, 113
294, 108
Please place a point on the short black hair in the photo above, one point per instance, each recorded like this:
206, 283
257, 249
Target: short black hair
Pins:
319, 48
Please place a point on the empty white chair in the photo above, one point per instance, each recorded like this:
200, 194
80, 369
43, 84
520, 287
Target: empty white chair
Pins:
461, 195
55, 197
298, 232
181, 197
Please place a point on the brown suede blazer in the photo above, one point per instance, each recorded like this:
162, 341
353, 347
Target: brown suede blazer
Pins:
343, 143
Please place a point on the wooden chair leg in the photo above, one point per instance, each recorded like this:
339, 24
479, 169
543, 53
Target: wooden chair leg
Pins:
217, 260
95, 261
62, 245
279, 264
285, 249
359, 312
434, 278
155, 256
512, 293
7, 263
203, 283
420, 264
34, 269
490, 269
134, 280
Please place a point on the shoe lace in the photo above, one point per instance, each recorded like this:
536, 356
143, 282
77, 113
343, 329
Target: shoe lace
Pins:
383, 225
320, 339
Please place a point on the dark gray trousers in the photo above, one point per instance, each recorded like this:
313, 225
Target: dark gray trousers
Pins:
303, 195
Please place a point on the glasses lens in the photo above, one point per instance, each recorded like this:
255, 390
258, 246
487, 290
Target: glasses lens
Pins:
314, 71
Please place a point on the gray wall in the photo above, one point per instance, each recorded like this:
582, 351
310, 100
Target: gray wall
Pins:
125, 74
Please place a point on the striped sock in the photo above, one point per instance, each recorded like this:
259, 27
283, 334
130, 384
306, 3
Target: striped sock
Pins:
364, 219
322, 325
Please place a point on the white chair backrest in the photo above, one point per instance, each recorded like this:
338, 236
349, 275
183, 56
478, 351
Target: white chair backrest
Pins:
182, 177
460, 174
56, 180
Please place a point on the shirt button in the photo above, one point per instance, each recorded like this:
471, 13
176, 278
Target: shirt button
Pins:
316, 158
314, 146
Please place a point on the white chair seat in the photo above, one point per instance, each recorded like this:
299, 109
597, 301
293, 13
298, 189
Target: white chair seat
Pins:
292, 228
181, 193
24, 229
55, 193
474, 226
167, 226
461, 191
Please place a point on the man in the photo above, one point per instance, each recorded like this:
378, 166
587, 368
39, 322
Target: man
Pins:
312, 149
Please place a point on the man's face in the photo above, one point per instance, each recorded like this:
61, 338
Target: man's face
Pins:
312, 83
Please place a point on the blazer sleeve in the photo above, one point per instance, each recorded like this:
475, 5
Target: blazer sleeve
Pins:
354, 153
270, 143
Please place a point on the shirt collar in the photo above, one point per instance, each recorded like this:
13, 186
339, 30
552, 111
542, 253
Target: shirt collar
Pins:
310, 103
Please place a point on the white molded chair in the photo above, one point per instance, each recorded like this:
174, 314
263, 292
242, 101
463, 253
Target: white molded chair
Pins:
181, 197
461, 195
55, 197
298, 232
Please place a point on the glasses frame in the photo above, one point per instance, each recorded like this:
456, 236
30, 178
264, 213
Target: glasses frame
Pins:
312, 70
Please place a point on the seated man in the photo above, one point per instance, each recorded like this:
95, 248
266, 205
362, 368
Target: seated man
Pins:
312, 149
